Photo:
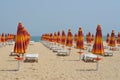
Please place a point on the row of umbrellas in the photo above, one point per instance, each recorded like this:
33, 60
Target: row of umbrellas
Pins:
57, 38
112, 40
79, 39
7, 37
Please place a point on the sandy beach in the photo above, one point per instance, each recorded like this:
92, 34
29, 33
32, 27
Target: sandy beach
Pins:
53, 67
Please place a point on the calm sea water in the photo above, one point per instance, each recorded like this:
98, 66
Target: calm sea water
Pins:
38, 38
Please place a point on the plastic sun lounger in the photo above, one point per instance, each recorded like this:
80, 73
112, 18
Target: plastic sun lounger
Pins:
31, 57
62, 52
108, 53
88, 57
12, 53
56, 49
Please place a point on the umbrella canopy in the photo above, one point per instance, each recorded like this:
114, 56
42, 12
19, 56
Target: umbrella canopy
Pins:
55, 37
63, 37
80, 39
19, 46
89, 38
51, 37
112, 39
69, 41
118, 38
75, 38
98, 47
0, 38
92, 38
26, 37
107, 38
58, 37
3, 38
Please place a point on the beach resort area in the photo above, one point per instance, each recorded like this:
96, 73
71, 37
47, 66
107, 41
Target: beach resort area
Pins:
60, 56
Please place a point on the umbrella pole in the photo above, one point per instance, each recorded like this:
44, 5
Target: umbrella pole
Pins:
79, 54
97, 64
69, 50
18, 65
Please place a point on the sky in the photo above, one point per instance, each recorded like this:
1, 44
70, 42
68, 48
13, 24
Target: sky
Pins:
45, 16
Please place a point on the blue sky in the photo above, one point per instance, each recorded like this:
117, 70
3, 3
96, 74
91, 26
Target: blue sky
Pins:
45, 16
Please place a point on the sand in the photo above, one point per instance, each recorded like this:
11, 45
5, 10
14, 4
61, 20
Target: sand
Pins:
52, 67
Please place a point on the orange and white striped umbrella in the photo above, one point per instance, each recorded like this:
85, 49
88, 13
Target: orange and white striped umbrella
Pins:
98, 47
58, 37
51, 37
89, 38
0, 38
112, 39
75, 38
55, 38
80, 39
69, 41
107, 38
19, 41
63, 38
92, 38
118, 38
3, 38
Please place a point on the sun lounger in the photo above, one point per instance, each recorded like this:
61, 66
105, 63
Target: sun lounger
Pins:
12, 53
88, 57
31, 42
108, 53
56, 49
31, 57
53, 46
62, 52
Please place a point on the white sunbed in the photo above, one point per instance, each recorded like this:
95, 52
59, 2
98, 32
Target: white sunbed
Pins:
32, 42
88, 57
108, 53
56, 49
12, 53
31, 57
62, 52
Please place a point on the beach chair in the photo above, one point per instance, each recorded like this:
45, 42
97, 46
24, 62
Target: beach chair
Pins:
13, 54
31, 42
108, 52
31, 57
87, 57
62, 52
56, 49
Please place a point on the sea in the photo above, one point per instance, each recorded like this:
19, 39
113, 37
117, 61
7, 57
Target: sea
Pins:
38, 38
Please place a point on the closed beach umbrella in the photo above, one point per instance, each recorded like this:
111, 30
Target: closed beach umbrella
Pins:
69, 41
98, 47
19, 41
89, 38
80, 39
3, 38
55, 38
51, 37
26, 37
63, 38
107, 38
58, 37
118, 38
0, 38
75, 38
92, 38
112, 39
19, 46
